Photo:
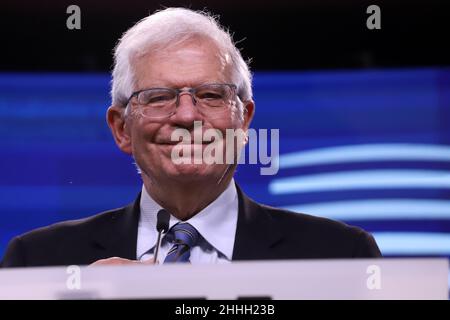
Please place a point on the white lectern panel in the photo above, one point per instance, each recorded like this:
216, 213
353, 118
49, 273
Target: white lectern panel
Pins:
307, 279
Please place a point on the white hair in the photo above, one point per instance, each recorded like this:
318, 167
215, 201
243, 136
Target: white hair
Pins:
169, 27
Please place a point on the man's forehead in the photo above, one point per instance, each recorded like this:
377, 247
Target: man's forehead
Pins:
187, 64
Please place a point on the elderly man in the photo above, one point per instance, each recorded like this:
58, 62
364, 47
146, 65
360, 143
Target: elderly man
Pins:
174, 69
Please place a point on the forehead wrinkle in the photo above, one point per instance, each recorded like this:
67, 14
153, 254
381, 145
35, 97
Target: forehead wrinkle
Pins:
181, 82
185, 76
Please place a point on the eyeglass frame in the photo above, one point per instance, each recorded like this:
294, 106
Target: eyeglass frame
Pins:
190, 91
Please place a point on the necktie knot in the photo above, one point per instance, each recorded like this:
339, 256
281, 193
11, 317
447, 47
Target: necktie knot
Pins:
186, 234
185, 237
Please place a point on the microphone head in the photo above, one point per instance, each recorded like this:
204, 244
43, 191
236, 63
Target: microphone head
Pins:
162, 223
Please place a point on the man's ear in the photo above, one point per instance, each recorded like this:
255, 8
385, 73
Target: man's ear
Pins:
115, 116
249, 111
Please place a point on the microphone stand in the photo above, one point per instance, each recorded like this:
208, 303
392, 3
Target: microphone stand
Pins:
162, 226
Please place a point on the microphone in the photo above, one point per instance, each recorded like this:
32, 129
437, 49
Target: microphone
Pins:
162, 226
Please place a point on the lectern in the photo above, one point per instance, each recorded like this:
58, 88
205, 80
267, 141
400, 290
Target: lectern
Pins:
293, 279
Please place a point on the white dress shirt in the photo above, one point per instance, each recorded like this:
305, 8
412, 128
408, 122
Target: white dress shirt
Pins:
216, 225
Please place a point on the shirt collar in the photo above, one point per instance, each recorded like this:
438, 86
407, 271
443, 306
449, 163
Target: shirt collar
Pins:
216, 223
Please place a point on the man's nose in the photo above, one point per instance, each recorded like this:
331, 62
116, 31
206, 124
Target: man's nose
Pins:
186, 112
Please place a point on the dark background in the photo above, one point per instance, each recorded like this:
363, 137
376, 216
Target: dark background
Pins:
282, 34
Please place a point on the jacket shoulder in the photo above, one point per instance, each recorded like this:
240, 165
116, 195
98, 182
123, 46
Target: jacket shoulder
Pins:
325, 237
67, 227
303, 221
41, 245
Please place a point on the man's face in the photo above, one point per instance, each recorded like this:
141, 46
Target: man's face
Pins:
186, 65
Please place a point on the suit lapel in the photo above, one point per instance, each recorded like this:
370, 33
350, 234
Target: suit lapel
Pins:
117, 237
256, 232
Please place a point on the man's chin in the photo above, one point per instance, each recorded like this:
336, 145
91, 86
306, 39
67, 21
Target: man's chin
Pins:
193, 172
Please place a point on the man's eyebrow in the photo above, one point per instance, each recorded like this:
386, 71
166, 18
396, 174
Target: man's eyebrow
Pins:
188, 84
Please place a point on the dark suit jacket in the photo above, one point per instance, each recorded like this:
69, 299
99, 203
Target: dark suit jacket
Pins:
263, 233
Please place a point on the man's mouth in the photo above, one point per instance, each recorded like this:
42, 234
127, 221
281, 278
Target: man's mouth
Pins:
173, 143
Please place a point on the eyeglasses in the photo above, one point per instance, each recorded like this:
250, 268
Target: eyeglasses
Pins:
213, 99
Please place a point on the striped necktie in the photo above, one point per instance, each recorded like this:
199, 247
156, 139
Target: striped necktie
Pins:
185, 238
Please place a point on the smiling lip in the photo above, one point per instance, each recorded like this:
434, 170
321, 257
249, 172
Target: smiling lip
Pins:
174, 143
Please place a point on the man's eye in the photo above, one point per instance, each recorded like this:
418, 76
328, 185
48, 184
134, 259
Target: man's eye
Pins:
159, 98
210, 95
